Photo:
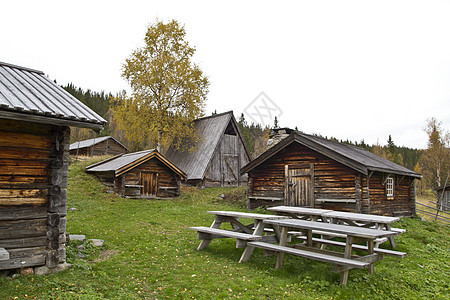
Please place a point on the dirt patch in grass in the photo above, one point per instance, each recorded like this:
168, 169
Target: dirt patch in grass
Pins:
105, 255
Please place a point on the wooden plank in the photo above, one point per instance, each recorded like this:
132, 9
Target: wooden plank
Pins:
23, 201
357, 247
4, 255
23, 193
299, 210
218, 233
22, 212
22, 262
24, 140
23, 242
312, 255
361, 217
23, 228
332, 228
237, 214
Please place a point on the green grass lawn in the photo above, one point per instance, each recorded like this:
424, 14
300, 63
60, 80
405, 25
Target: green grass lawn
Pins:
150, 253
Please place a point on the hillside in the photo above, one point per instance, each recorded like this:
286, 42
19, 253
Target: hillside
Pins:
150, 253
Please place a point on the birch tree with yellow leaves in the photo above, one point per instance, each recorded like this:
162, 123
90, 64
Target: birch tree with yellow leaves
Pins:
168, 90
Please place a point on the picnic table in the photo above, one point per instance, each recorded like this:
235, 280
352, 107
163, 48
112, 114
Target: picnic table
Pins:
341, 217
242, 233
303, 213
343, 261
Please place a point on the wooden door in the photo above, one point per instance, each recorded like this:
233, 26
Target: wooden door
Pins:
230, 169
149, 183
299, 185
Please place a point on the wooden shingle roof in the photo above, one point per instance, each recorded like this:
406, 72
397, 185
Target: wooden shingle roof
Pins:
210, 130
349, 155
27, 94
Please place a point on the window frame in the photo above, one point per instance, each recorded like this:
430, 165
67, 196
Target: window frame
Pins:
390, 187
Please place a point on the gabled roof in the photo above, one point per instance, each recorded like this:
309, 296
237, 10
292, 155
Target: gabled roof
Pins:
210, 130
122, 163
92, 142
27, 94
349, 155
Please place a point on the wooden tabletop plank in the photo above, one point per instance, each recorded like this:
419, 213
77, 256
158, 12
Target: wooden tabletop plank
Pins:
360, 217
333, 228
299, 210
238, 214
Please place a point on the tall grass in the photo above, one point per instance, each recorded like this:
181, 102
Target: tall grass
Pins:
150, 253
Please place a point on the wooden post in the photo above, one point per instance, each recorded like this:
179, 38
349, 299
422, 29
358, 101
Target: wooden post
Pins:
347, 254
439, 203
216, 224
57, 193
370, 252
286, 185
248, 251
283, 240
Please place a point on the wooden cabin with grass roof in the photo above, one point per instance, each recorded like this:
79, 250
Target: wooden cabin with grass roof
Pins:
35, 119
143, 174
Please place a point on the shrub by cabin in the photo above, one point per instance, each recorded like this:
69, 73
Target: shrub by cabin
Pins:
305, 170
144, 174
35, 115
105, 145
218, 155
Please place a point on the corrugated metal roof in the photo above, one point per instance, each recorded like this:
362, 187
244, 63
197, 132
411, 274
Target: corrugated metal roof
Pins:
352, 156
124, 162
88, 143
29, 92
210, 130
118, 162
92, 142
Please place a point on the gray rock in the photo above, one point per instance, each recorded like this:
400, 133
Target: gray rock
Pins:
97, 242
44, 270
77, 237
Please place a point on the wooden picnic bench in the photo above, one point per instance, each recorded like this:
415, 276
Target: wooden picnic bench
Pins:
340, 217
242, 233
343, 261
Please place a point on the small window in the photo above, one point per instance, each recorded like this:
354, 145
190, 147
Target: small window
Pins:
390, 187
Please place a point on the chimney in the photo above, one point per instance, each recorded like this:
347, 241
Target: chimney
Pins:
277, 135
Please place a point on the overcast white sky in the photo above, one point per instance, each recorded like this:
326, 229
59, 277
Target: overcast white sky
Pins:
349, 69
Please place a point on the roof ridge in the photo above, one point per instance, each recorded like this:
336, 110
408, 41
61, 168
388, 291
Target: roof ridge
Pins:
140, 152
21, 68
215, 115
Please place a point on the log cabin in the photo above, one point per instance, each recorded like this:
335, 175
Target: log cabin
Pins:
306, 170
35, 119
105, 145
218, 155
443, 198
144, 174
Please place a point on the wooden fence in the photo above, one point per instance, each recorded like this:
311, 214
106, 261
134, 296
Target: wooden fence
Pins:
438, 212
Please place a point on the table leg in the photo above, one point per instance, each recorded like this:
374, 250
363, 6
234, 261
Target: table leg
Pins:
391, 238
283, 241
309, 241
347, 254
216, 224
248, 251
370, 251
